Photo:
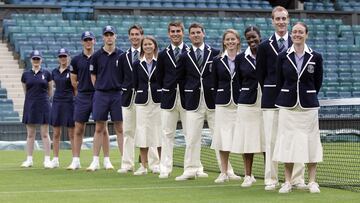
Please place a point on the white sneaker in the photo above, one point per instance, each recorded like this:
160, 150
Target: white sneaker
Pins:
300, 186
164, 175
233, 176
48, 164
314, 187
201, 174
185, 177
271, 187
253, 178
141, 171
155, 170
108, 165
27, 164
74, 165
55, 163
248, 181
93, 166
285, 188
222, 178
124, 170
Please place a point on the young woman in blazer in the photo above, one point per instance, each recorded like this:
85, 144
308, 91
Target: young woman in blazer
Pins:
299, 78
249, 135
147, 101
227, 92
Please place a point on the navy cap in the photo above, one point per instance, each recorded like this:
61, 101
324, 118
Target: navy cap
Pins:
63, 52
109, 28
87, 35
35, 54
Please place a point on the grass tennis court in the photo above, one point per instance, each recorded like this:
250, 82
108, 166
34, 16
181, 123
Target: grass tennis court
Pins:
59, 185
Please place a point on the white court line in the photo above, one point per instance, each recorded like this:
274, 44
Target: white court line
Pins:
118, 189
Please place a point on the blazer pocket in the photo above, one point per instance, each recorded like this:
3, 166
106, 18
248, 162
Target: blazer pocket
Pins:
189, 90
159, 90
124, 89
165, 90
212, 89
269, 85
310, 91
312, 63
285, 90
220, 90
245, 88
139, 91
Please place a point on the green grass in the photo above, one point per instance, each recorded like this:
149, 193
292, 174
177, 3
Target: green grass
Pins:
59, 185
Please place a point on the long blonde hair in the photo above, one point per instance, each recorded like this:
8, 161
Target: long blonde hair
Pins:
232, 31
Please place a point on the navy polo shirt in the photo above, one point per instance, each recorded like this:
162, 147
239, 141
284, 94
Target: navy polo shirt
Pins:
105, 67
80, 67
63, 87
36, 84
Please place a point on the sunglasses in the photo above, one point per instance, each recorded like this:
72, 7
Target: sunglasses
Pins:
36, 59
88, 40
62, 56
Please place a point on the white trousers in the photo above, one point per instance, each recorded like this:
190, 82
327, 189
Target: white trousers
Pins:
169, 124
271, 117
129, 126
194, 125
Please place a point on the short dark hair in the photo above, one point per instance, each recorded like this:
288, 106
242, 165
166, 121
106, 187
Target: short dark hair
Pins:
138, 27
176, 24
196, 25
302, 24
252, 28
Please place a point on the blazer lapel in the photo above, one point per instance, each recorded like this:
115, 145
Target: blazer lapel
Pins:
207, 54
307, 59
291, 58
143, 65
192, 57
170, 54
273, 44
153, 68
129, 58
224, 61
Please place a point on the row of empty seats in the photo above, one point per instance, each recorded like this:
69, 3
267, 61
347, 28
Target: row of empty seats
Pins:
7, 112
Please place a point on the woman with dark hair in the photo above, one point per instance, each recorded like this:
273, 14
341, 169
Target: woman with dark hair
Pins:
299, 79
37, 88
227, 92
62, 110
249, 135
147, 101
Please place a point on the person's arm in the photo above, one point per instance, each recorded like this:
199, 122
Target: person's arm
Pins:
74, 83
318, 73
23, 82
279, 74
160, 67
24, 87
93, 69
261, 69
50, 88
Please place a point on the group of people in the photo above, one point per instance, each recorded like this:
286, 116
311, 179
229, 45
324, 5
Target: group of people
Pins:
263, 100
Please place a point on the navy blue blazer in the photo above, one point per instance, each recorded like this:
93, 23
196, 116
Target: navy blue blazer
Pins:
226, 85
195, 78
267, 52
303, 87
142, 80
248, 82
168, 75
126, 78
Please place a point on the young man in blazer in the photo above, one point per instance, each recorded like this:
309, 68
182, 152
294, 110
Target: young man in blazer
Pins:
195, 66
173, 98
125, 65
267, 53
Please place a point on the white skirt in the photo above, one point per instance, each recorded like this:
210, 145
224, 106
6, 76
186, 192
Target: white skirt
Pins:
298, 139
148, 125
225, 118
249, 134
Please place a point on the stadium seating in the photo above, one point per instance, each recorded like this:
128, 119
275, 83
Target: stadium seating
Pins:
7, 112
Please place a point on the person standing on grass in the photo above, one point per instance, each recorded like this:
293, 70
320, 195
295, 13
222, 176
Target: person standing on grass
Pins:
267, 52
172, 100
84, 92
62, 109
147, 101
37, 87
227, 91
249, 135
107, 97
299, 79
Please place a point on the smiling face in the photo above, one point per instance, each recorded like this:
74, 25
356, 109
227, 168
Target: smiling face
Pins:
231, 42
88, 43
176, 35
196, 36
36, 61
299, 34
280, 22
148, 46
63, 59
135, 37
109, 38
253, 39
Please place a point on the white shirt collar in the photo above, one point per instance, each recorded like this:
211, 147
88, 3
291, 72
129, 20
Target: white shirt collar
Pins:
144, 59
285, 37
225, 53
249, 53
133, 49
180, 46
202, 47
306, 49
